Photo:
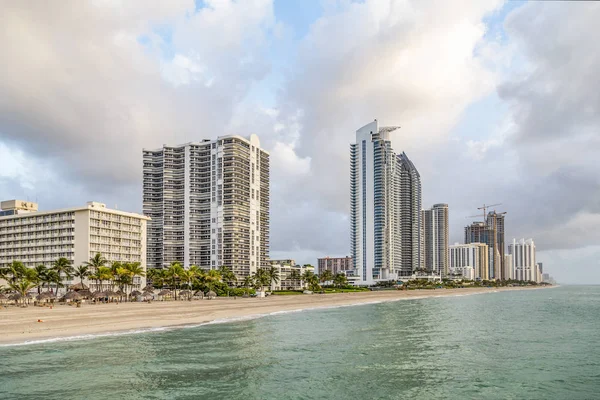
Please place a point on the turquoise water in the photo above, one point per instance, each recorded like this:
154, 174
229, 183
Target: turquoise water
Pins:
536, 344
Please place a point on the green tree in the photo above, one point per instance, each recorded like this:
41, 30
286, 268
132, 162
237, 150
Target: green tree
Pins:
326, 276
247, 282
173, 275
261, 278
14, 271
273, 274
103, 274
22, 286
82, 272
64, 269
40, 275
227, 275
134, 269
308, 276
340, 280
96, 262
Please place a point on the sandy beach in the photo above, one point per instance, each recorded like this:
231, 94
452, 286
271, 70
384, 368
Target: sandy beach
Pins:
19, 325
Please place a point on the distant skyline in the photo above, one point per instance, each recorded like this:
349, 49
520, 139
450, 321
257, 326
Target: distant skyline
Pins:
498, 102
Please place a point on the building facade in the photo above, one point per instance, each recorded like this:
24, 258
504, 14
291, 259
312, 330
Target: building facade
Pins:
472, 255
288, 261
209, 204
77, 234
286, 276
509, 272
490, 232
436, 237
335, 264
385, 208
523, 258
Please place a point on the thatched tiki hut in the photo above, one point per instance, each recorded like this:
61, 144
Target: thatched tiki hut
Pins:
79, 286
72, 295
211, 295
46, 296
165, 294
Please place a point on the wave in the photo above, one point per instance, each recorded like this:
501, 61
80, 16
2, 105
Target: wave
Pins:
227, 320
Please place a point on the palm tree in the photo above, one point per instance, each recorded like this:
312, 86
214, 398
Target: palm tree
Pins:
261, 278
22, 286
96, 262
210, 277
52, 276
248, 281
273, 274
307, 276
40, 272
63, 267
340, 280
135, 269
14, 271
227, 275
325, 276
103, 274
173, 274
82, 272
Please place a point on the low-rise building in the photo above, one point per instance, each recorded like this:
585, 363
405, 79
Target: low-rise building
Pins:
282, 262
335, 264
77, 234
287, 281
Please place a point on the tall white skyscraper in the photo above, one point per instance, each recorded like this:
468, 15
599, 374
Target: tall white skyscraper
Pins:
209, 204
523, 259
436, 236
385, 208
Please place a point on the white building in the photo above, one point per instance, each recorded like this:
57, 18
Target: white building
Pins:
471, 255
209, 204
436, 236
385, 208
286, 281
523, 258
509, 272
335, 264
77, 234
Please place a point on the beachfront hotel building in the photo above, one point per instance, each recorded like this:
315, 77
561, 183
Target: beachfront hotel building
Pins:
472, 255
385, 208
436, 237
77, 234
335, 264
209, 204
523, 259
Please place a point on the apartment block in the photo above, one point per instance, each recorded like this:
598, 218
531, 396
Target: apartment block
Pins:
77, 234
335, 264
523, 258
286, 274
436, 236
385, 208
209, 204
472, 255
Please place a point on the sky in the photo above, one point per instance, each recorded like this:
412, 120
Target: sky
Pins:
498, 102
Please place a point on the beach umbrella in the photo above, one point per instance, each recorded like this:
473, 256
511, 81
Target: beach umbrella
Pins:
15, 296
3, 296
121, 293
85, 293
135, 293
46, 296
98, 295
211, 295
72, 296
164, 292
79, 286
148, 296
148, 288
30, 295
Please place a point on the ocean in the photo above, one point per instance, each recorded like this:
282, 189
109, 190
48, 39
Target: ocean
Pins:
531, 344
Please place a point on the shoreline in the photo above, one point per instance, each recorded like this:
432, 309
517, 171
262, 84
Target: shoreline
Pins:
19, 326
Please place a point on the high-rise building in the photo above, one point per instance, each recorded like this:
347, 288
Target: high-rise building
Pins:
473, 255
523, 258
335, 264
490, 232
436, 236
77, 234
385, 208
288, 261
209, 204
509, 272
